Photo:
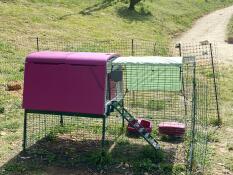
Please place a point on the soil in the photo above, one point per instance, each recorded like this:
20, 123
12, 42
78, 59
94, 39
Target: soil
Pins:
14, 86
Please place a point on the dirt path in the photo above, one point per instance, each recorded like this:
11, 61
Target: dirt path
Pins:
212, 27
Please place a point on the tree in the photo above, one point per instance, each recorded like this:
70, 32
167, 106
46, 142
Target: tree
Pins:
132, 4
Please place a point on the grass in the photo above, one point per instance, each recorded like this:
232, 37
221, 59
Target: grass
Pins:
153, 105
126, 157
64, 20
221, 158
230, 31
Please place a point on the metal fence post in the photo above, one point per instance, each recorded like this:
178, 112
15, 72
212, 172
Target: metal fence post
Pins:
215, 84
178, 46
37, 44
194, 112
132, 47
154, 49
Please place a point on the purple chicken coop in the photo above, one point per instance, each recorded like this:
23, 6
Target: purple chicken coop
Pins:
70, 83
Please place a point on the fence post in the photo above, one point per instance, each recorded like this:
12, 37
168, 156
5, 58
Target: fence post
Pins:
194, 112
132, 47
154, 49
37, 44
178, 46
132, 54
215, 84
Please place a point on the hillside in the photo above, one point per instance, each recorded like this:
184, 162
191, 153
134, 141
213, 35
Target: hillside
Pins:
158, 20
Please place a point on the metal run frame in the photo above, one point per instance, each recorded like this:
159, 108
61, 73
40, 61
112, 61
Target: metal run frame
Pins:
62, 115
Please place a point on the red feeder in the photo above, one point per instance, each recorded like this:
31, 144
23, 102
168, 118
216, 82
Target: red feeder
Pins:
142, 123
172, 129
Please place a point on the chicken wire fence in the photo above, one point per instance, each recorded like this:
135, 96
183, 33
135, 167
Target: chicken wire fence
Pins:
171, 98
162, 93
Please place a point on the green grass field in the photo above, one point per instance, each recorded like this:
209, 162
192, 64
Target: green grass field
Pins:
68, 20
230, 31
65, 20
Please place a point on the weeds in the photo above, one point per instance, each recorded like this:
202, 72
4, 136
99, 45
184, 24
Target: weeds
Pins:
143, 165
100, 159
212, 137
13, 168
155, 156
2, 110
10, 126
214, 122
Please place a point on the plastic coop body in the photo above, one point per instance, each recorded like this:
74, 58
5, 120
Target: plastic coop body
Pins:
67, 82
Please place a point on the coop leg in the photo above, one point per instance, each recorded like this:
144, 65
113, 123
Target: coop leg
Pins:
123, 120
25, 131
103, 131
61, 120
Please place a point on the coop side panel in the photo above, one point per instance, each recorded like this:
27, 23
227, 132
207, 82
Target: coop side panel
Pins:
64, 88
86, 89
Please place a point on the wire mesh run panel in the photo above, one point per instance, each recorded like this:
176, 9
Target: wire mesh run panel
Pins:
70, 82
161, 91
153, 87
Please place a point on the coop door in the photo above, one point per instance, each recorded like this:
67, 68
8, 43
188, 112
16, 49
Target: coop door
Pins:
114, 83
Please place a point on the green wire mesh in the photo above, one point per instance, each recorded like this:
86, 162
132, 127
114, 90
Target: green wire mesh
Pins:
168, 97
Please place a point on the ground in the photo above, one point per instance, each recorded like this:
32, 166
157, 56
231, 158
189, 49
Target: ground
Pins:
230, 31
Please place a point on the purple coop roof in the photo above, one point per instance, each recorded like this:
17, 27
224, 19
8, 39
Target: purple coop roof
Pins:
80, 58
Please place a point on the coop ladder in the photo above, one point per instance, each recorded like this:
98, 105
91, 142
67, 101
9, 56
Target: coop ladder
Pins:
140, 129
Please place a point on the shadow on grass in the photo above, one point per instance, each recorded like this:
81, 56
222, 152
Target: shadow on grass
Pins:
86, 157
89, 10
172, 139
130, 15
98, 6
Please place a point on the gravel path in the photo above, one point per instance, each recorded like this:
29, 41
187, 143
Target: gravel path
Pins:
212, 27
